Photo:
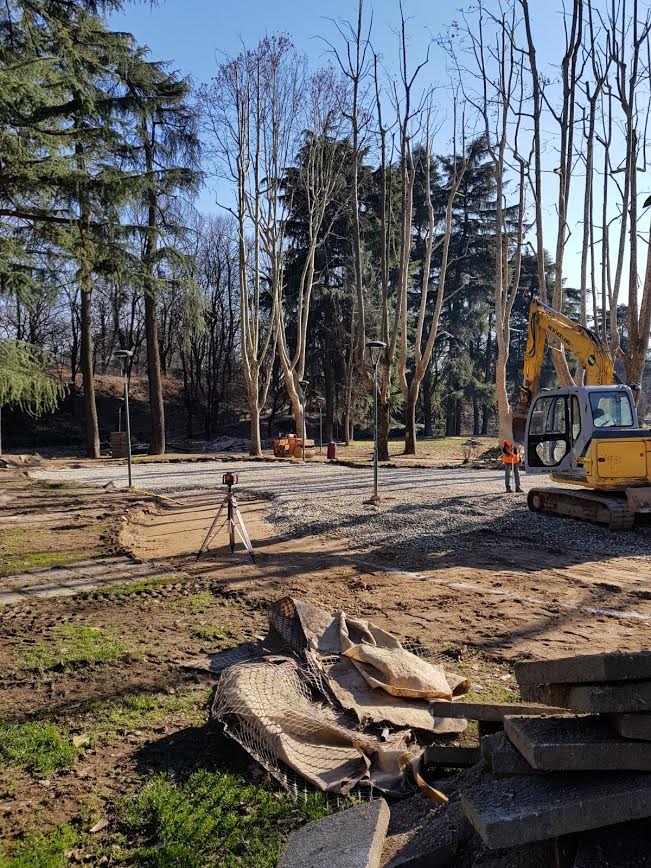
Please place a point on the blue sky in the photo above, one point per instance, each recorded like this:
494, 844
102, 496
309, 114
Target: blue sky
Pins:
195, 34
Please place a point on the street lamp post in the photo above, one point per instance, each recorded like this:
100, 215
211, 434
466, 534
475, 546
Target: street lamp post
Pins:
304, 384
375, 351
120, 406
125, 356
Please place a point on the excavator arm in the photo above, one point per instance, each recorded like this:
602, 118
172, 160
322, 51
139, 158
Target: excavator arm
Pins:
546, 323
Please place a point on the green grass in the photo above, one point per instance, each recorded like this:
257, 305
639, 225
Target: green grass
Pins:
72, 646
213, 819
42, 560
37, 747
142, 709
195, 603
213, 634
23, 549
42, 851
128, 588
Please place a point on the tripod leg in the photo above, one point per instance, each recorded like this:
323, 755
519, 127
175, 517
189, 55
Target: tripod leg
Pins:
231, 523
242, 531
211, 533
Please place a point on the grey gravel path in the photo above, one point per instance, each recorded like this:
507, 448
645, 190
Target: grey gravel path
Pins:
432, 510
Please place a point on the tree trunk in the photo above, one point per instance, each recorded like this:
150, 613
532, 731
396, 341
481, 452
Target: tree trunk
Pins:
427, 403
90, 410
410, 422
475, 417
157, 440
255, 446
504, 414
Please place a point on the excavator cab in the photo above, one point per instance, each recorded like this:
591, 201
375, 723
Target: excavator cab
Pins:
562, 424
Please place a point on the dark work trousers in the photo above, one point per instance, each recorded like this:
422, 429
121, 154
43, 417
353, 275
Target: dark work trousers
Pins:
507, 476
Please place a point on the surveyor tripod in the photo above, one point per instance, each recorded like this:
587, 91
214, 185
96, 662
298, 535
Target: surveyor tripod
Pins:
233, 520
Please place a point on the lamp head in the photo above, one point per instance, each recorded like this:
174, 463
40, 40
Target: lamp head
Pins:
375, 350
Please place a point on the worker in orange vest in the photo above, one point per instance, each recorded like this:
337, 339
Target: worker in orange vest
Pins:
511, 462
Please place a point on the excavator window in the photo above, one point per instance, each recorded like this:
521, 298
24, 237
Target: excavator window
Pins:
611, 410
575, 412
549, 431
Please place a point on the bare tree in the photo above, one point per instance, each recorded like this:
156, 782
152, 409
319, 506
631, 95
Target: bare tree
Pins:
631, 69
500, 104
251, 108
438, 234
354, 61
314, 182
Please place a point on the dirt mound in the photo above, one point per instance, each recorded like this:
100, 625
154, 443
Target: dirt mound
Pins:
18, 462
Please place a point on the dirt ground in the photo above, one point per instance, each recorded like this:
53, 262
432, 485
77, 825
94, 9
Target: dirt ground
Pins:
506, 598
482, 604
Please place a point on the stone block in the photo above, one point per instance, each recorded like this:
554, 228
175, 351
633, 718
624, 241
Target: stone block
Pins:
631, 696
491, 712
575, 744
349, 839
632, 725
628, 844
436, 842
586, 668
451, 756
502, 758
520, 810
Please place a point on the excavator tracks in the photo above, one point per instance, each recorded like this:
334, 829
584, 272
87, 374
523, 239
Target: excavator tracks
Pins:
604, 509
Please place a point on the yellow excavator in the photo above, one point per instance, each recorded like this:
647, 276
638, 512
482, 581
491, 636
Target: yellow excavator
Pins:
588, 436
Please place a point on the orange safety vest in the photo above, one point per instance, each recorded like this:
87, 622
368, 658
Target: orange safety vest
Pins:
510, 453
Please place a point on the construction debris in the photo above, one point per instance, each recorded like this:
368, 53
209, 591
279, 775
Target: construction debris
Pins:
636, 726
586, 669
450, 756
544, 791
349, 839
539, 793
576, 744
296, 700
488, 711
521, 810
592, 698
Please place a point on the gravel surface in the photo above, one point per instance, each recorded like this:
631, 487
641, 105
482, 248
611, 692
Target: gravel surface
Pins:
422, 510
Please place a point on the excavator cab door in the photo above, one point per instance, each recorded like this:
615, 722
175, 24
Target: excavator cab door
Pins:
553, 427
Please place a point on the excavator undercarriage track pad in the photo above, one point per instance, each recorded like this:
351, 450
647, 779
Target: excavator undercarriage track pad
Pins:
604, 509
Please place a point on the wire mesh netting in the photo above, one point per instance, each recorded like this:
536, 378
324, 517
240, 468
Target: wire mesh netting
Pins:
286, 711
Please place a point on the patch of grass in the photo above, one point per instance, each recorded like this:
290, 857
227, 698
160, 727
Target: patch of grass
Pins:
35, 746
213, 634
23, 549
73, 646
42, 851
196, 603
144, 709
126, 589
213, 819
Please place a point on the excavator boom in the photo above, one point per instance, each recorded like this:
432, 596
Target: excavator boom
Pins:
547, 324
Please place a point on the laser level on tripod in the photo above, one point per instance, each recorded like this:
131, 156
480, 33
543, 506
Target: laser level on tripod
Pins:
233, 520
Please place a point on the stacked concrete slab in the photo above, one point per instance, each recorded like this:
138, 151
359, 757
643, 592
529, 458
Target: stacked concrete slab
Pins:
583, 767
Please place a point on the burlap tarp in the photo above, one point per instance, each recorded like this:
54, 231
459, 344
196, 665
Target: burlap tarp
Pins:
360, 670
271, 701
373, 677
